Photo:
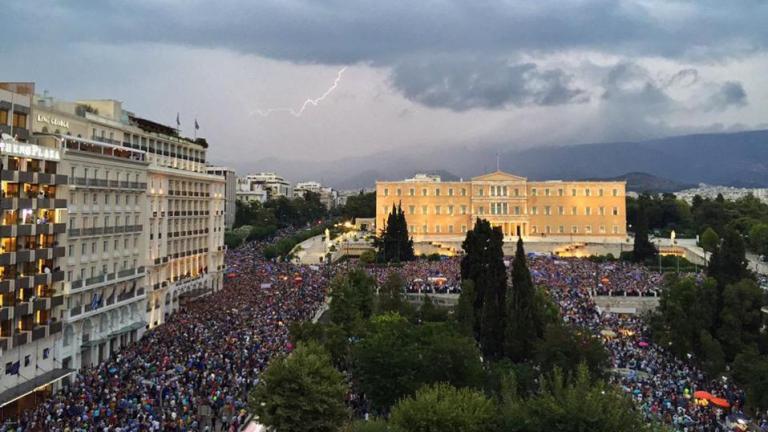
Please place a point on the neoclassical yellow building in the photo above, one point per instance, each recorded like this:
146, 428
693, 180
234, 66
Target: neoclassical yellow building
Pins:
555, 209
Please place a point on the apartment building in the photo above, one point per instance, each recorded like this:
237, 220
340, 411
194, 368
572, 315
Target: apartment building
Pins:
230, 192
32, 229
328, 196
275, 185
565, 210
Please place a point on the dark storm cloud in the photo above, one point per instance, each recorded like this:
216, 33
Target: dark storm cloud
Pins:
730, 94
394, 33
332, 31
463, 84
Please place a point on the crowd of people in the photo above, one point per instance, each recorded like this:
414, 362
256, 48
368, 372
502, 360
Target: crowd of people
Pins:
612, 278
662, 385
194, 372
441, 276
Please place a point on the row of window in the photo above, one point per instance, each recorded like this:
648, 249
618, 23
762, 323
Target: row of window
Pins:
503, 209
502, 191
92, 246
438, 229
93, 173
574, 229
574, 192
19, 119
87, 198
84, 273
547, 211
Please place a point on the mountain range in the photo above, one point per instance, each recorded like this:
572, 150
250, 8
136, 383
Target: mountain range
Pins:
731, 159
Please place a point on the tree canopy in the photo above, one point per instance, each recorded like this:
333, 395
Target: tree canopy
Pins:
301, 392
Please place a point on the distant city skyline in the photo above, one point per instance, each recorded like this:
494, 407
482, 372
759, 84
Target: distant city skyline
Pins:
449, 73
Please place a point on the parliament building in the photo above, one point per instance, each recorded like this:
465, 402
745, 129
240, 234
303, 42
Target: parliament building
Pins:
555, 210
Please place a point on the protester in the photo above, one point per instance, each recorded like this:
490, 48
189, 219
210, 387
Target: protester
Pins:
195, 371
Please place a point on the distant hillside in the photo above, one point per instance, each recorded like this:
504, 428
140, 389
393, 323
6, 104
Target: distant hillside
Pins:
730, 159
723, 159
644, 182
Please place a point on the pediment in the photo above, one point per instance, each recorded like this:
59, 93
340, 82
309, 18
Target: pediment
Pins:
498, 176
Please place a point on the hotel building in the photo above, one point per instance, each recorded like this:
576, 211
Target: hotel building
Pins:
109, 222
554, 210
32, 229
230, 192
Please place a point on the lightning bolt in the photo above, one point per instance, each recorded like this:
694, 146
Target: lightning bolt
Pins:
307, 103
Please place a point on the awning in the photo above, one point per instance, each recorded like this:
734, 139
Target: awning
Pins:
93, 343
128, 328
27, 387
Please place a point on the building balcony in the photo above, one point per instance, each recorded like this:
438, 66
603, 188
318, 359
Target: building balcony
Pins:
39, 332
31, 255
31, 177
21, 230
23, 308
9, 203
21, 338
107, 278
55, 327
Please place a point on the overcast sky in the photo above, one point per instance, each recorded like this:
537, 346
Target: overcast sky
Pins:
418, 73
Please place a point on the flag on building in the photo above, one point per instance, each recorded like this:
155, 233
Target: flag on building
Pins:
178, 121
197, 126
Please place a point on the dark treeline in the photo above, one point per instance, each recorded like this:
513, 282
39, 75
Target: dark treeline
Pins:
664, 213
257, 221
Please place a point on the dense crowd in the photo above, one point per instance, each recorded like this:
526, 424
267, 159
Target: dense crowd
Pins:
662, 385
614, 278
441, 276
194, 372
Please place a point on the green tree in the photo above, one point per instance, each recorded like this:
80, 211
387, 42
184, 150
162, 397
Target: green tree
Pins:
711, 354
441, 408
740, 318
464, 312
301, 392
483, 264
391, 293
394, 243
332, 337
565, 348
643, 249
428, 312
750, 370
396, 357
727, 265
685, 308
362, 205
525, 323
386, 362
758, 238
448, 356
576, 405
709, 240
375, 425
351, 297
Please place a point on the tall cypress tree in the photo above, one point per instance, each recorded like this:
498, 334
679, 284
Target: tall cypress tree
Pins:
483, 264
525, 325
405, 243
643, 249
394, 244
728, 265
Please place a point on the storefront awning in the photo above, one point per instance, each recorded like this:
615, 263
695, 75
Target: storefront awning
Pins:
128, 328
27, 387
